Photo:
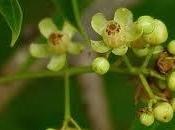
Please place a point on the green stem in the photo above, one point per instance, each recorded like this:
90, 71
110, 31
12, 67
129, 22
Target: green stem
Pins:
78, 19
148, 57
153, 73
127, 62
67, 96
75, 124
76, 71
42, 74
146, 86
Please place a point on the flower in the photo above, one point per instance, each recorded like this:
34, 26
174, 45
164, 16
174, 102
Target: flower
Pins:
117, 34
58, 44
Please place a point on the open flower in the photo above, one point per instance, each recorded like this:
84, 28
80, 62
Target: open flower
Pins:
117, 34
58, 44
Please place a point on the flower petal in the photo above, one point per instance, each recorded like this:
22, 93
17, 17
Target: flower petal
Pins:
123, 16
75, 48
57, 62
99, 46
132, 33
69, 29
39, 50
98, 23
46, 27
122, 50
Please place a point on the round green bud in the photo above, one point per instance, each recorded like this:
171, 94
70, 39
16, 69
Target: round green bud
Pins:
171, 47
159, 34
100, 65
173, 103
146, 23
147, 118
171, 81
163, 112
141, 52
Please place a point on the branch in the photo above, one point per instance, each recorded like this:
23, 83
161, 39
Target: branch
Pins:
42, 74
78, 70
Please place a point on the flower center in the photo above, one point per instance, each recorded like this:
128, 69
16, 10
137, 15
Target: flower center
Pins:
55, 38
113, 28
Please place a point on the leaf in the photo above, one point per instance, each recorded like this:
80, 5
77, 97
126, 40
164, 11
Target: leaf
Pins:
12, 13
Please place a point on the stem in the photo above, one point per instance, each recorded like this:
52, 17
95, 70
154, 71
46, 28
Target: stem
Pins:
78, 19
67, 96
148, 57
42, 74
153, 73
75, 124
146, 86
127, 62
75, 71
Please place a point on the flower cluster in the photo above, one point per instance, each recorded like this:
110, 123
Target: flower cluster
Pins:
144, 37
122, 33
162, 111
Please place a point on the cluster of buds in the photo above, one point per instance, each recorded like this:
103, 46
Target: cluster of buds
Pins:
162, 111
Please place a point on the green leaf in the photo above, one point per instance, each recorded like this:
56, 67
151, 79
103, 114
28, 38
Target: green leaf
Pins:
12, 13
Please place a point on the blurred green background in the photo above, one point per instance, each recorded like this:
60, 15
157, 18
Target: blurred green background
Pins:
40, 104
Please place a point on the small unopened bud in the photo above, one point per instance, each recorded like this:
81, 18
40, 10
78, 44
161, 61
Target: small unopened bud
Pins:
159, 34
171, 47
147, 118
171, 81
141, 52
163, 112
146, 23
100, 65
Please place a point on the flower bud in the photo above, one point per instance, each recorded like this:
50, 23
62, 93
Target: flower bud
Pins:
141, 52
147, 118
163, 112
159, 34
100, 65
173, 104
171, 47
171, 81
146, 23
